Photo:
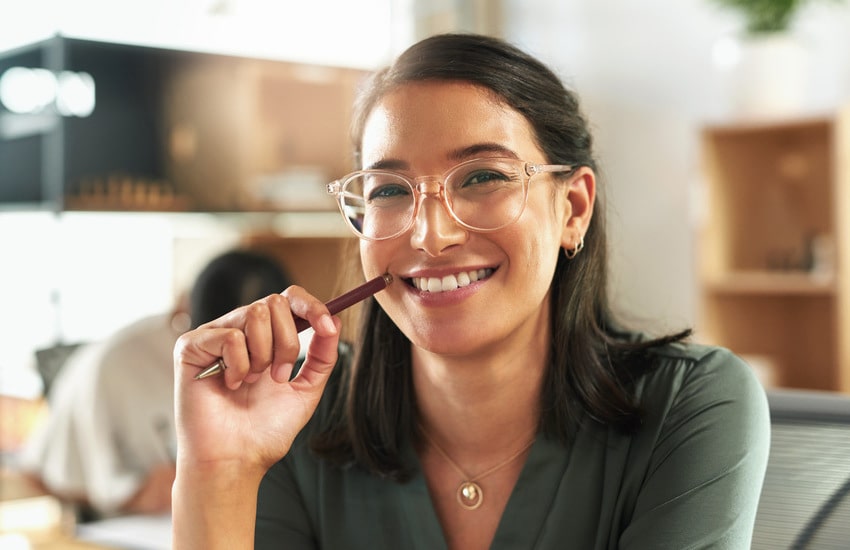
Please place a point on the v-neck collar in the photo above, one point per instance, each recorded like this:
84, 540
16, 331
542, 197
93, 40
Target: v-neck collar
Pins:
522, 522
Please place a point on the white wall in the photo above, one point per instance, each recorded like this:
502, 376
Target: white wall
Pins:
294, 30
645, 72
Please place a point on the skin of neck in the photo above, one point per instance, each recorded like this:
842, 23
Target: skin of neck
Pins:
477, 407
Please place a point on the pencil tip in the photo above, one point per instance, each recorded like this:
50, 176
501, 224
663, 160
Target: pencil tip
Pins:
210, 371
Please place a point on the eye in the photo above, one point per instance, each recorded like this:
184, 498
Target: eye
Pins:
485, 178
385, 190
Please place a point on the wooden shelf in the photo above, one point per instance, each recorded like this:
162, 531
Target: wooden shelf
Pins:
767, 283
180, 131
774, 251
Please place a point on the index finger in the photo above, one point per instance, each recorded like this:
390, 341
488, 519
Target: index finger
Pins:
307, 310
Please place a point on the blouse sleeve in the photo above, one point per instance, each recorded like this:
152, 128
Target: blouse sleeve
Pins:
281, 512
707, 462
283, 507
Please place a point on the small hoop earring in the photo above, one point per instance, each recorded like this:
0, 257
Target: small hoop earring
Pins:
572, 253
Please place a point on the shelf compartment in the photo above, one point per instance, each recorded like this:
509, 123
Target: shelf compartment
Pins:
797, 333
770, 194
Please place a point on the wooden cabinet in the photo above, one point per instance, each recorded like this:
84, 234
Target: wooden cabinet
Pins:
774, 247
172, 130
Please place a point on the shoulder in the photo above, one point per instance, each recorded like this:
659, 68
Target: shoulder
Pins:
140, 345
702, 444
695, 386
78, 371
684, 368
139, 333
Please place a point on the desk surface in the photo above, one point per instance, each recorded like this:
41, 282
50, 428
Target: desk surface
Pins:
28, 512
140, 532
69, 544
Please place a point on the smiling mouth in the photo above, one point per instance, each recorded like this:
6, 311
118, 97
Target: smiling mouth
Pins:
449, 282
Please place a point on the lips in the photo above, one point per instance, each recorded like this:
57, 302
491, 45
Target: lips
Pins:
450, 282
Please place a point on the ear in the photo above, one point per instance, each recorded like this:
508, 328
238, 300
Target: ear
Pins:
581, 195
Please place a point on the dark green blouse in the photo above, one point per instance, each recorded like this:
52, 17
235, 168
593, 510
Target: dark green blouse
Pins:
690, 478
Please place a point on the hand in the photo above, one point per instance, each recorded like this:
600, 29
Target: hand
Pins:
251, 415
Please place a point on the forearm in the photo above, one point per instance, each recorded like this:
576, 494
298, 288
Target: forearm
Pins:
214, 508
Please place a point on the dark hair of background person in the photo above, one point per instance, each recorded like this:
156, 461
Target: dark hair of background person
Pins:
234, 279
592, 361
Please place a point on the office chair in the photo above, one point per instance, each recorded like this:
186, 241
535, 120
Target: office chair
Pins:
805, 501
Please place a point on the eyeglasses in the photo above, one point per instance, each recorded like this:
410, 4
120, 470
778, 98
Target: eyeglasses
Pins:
481, 195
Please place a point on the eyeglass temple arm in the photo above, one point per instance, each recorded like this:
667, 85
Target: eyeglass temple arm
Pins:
532, 169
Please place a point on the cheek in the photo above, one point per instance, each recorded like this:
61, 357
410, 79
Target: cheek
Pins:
532, 248
544, 221
537, 242
543, 255
374, 258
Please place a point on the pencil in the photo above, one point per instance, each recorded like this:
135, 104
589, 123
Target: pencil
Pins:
338, 304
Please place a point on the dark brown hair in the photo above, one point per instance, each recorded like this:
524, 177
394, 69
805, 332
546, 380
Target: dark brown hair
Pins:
592, 362
233, 279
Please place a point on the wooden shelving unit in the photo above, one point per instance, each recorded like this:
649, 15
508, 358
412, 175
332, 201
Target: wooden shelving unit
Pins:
774, 247
178, 131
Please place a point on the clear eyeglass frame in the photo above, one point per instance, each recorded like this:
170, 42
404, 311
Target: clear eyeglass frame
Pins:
435, 185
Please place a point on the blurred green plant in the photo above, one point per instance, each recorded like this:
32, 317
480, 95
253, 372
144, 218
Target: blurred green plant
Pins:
765, 16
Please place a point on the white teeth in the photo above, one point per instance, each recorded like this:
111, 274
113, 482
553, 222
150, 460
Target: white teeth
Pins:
449, 282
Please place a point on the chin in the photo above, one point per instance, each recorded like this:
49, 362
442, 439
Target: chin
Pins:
453, 341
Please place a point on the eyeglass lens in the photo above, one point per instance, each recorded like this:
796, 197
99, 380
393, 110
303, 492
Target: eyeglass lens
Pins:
483, 194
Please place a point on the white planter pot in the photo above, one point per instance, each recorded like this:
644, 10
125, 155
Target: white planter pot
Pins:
768, 75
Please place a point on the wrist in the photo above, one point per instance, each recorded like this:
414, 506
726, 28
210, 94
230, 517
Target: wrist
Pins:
214, 504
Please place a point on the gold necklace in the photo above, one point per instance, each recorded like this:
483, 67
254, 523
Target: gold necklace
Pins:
469, 493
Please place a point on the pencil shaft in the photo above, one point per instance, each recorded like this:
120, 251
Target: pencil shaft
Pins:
338, 304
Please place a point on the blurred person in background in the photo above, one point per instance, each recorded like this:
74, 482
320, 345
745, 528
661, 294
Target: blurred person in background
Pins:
108, 444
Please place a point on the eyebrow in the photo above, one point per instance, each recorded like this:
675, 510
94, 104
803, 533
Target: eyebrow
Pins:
464, 153
477, 149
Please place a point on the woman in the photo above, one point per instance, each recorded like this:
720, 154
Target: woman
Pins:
493, 402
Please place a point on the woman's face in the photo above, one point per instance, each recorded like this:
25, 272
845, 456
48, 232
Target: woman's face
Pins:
424, 129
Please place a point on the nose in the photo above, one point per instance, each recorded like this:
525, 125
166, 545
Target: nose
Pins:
434, 228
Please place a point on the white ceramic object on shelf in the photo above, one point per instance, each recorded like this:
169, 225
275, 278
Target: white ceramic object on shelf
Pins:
768, 74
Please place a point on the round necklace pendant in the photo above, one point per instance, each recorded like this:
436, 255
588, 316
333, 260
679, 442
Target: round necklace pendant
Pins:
469, 495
